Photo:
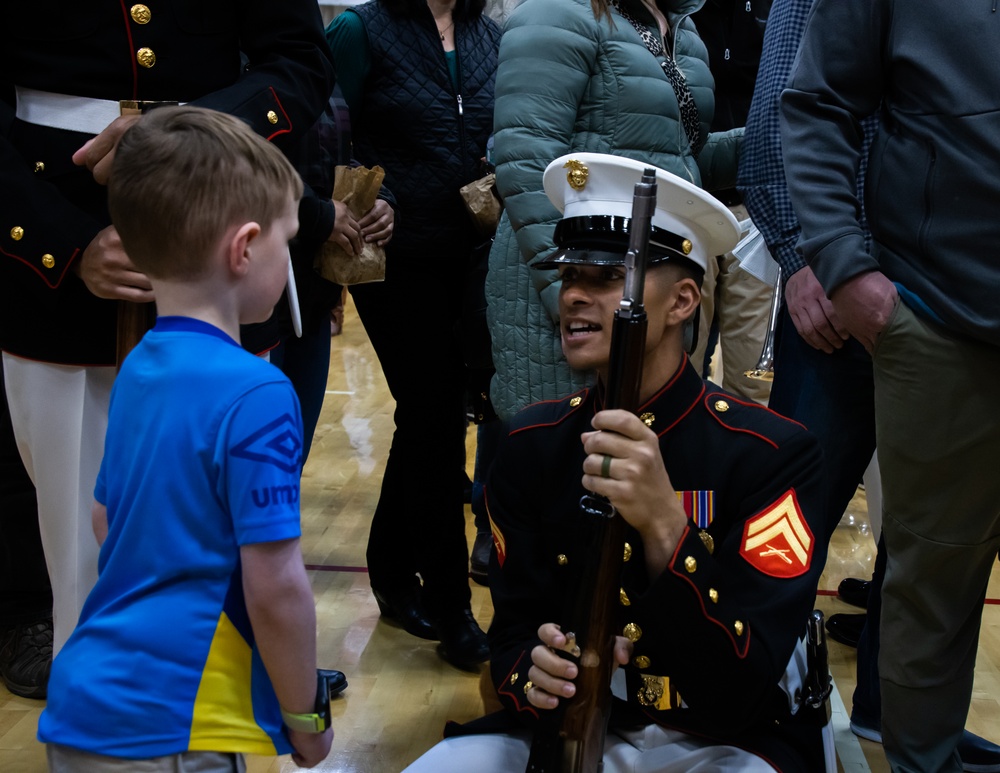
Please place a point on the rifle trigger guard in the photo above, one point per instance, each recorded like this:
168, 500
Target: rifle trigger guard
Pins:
597, 506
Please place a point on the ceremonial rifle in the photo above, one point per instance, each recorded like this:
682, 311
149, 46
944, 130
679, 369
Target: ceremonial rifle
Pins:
572, 741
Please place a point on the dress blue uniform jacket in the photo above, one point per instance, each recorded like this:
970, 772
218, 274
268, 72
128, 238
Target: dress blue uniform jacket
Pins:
714, 633
50, 209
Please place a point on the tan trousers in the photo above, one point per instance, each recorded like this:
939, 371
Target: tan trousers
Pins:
742, 303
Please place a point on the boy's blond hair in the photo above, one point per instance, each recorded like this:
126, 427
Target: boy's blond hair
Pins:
182, 176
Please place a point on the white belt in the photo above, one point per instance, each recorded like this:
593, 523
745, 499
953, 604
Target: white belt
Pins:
76, 114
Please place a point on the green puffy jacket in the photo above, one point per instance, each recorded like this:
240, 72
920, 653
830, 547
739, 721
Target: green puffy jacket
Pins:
567, 82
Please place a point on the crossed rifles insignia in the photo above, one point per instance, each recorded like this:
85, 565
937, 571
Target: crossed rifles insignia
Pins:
778, 541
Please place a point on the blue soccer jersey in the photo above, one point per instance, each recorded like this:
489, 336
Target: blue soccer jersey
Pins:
202, 456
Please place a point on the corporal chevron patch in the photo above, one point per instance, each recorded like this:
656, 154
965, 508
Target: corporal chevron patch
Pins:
778, 541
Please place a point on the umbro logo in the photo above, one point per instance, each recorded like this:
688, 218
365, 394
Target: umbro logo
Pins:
276, 443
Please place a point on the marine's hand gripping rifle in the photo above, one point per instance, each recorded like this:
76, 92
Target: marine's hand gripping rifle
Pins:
573, 740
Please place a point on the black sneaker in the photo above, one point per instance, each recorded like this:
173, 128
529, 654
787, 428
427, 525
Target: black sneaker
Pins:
26, 658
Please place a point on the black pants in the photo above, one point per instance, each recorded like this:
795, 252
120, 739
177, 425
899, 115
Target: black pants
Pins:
25, 593
419, 524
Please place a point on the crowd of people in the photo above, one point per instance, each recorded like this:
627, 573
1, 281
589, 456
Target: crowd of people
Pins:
162, 156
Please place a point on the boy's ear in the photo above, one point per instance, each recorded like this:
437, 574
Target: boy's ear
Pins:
239, 244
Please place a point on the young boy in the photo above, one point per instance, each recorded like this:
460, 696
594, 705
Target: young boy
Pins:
199, 638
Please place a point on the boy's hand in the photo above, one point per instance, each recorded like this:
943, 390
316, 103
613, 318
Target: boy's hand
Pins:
108, 273
378, 222
310, 748
552, 675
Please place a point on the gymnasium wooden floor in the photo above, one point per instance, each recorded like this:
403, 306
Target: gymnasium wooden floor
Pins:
400, 692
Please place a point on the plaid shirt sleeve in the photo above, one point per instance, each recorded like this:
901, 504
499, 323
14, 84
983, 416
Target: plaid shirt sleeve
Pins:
762, 171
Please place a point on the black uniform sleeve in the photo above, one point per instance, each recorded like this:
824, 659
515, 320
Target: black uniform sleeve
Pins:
724, 618
289, 77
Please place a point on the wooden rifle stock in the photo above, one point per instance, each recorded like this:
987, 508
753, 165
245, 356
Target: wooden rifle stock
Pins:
572, 741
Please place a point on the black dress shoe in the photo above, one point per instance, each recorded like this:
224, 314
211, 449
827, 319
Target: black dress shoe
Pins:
26, 658
845, 628
336, 682
463, 643
854, 591
479, 560
403, 607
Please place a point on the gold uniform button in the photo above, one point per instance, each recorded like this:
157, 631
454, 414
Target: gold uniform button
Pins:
690, 564
48, 261
641, 661
513, 677
145, 57
140, 14
39, 166
17, 233
623, 598
721, 406
575, 402
686, 246
562, 560
713, 594
738, 627
272, 116
647, 418
707, 541
632, 632
628, 551
527, 686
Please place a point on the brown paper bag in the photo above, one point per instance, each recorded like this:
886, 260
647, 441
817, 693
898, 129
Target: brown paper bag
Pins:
483, 203
357, 187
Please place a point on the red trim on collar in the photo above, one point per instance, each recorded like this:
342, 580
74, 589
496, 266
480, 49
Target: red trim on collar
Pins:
573, 409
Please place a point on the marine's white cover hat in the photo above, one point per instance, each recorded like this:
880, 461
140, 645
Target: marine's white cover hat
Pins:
594, 192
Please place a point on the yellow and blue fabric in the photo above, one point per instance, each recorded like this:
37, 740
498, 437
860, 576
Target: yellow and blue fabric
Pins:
202, 456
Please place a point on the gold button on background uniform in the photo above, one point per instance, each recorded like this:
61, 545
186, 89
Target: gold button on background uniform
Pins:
272, 116
16, 233
623, 598
628, 551
690, 564
714, 595
641, 661
632, 632
647, 418
721, 406
48, 261
513, 677
140, 14
575, 402
39, 166
145, 57
561, 559
738, 627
